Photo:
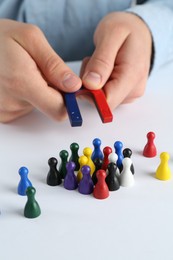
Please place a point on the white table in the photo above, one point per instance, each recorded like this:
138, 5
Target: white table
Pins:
133, 223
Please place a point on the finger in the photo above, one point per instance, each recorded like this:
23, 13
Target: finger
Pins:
124, 88
51, 65
6, 117
101, 63
128, 79
83, 66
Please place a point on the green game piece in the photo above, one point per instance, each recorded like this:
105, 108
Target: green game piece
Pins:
32, 209
62, 168
74, 147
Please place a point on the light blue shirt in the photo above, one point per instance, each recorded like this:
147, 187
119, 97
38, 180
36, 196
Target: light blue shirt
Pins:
69, 24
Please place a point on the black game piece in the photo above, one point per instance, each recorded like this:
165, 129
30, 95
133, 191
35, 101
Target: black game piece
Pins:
111, 178
53, 177
98, 164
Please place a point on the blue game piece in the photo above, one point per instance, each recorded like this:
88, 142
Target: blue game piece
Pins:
97, 153
73, 109
70, 181
24, 182
86, 185
118, 149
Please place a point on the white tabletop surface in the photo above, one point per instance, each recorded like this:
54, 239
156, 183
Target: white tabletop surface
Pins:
133, 223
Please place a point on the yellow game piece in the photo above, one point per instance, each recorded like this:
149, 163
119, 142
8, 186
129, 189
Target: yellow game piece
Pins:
83, 160
87, 151
163, 172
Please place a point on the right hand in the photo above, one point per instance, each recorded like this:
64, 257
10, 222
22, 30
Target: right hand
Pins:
31, 73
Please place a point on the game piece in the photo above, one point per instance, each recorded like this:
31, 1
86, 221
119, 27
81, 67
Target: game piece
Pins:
113, 157
128, 153
86, 185
101, 190
97, 153
88, 152
98, 164
150, 148
70, 180
73, 109
24, 181
106, 151
74, 147
163, 171
111, 178
83, 160
53, 176
32, 208
99, 99
118, 149
62, 168
126, 177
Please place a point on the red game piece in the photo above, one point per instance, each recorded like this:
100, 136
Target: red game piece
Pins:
106, 151
150, 148
101, 190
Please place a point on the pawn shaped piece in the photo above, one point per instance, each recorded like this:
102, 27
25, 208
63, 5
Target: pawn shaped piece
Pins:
74, 147
101, 190
150, 148
163, 171
86, 185
32, 208
70, 180
106, 151
53, 176
62, 168
24, 181
97, 153
126, 177
113, 157
88, 152
98, 164
128, 153
118, 149
83, 160
111, 178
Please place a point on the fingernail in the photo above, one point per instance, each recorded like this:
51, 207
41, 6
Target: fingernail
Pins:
70, 80
93, 78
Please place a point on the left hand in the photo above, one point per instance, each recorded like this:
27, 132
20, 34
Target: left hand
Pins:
121, 61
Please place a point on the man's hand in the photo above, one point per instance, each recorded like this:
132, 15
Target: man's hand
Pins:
31, 73
121, 60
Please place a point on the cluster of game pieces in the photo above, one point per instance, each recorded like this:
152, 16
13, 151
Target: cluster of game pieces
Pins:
99, 172
95, 172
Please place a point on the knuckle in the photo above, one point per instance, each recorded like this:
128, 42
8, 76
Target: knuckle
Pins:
32, 32
52, 65
103, 62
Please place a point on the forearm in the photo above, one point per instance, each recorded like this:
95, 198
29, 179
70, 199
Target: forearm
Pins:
158, 15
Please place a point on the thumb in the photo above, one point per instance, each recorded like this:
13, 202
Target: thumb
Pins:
101, 63
55, 71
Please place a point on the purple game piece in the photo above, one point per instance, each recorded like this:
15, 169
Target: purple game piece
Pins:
86, 185
70, 181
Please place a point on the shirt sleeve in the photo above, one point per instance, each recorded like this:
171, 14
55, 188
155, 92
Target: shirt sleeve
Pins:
158, 15
10, 8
